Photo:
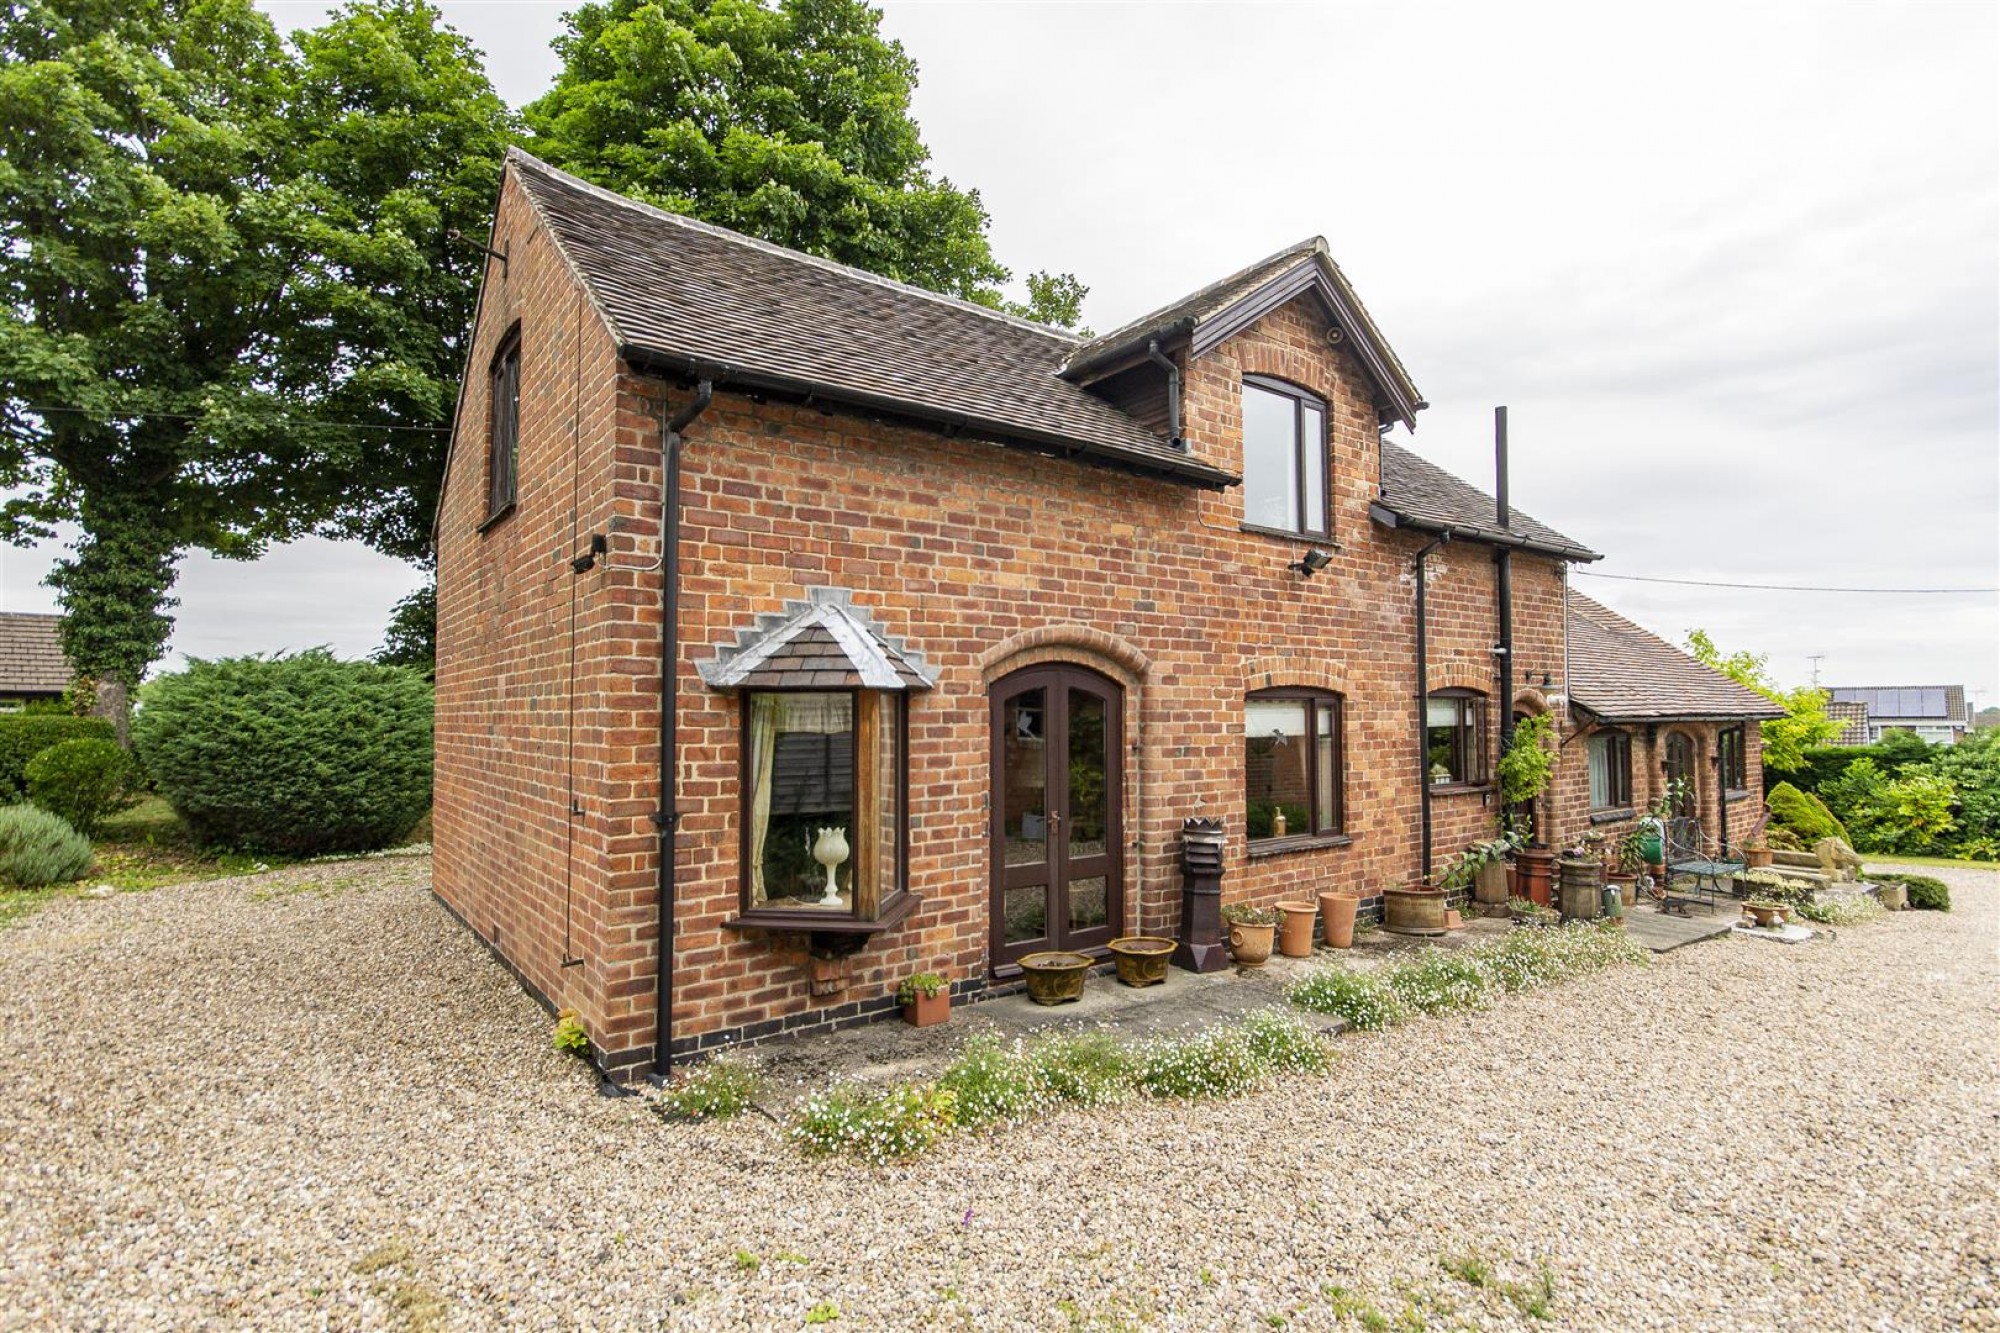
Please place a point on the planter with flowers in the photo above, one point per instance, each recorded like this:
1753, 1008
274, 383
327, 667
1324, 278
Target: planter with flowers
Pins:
926, 999
1250, 933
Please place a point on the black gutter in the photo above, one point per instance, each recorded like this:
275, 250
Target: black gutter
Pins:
667, 820
1391, 518
1185, 471
1423, 704
1173, 370
1503, 588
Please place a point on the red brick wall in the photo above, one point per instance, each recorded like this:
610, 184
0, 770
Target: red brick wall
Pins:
983, 558
1649, 750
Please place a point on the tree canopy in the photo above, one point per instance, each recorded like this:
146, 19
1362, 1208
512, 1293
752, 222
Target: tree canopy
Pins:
1805, 723
230, 315
790, 122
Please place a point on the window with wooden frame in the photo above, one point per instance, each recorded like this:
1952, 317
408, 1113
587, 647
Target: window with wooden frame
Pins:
503, 432
1285, 472
824, 788
1729, 750
1610, 770
1452, 726
1292, 765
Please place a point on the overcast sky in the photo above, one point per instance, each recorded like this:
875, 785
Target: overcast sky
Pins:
1734, 270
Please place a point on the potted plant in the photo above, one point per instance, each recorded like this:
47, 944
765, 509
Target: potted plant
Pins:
1336, 915
1141, 959
1524, 772
1528, 913
1756, 851
1250, 932
1413, 909
926, 999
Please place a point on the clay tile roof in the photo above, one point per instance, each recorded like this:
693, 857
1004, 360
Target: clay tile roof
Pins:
823, 642
1852, 715
693, 298
1624, 673
1214, 312
1418, 491
31, 655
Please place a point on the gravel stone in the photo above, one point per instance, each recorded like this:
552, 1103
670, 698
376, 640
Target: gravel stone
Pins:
309, 1099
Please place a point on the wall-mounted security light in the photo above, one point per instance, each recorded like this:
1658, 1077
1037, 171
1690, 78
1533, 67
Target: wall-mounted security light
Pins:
1312, 562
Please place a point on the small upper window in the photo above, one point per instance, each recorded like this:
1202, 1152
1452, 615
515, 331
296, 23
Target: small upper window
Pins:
1292, 765
1729, 750
1610, 770
1284, 458
504, 427
1451, 738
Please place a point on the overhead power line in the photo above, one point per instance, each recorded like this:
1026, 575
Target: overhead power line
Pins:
203, 416
1778, 587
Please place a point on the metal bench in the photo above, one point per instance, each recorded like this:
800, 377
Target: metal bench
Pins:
1699, 869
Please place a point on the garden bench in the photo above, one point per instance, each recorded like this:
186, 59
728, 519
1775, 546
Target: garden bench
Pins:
1702, 868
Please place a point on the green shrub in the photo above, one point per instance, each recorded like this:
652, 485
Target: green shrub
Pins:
878, 1127
570, 1037
25, 735
1780, 838
1927, 894
82, 780
724, 1087
1082, 1068
1804, 814
299, 754
1439, 981
1767, 886
38, 848
1362, 999
990, 1083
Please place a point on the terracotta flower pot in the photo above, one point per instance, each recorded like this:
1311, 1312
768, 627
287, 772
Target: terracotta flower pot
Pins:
1251, 945
1757, 857
1336, 914
1536, 868
928, 1010
1295, 936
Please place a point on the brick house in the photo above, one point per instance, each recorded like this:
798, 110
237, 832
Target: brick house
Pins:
1003, 606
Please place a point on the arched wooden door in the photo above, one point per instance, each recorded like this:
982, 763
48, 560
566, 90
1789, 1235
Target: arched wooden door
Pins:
1680, 764
1057, 797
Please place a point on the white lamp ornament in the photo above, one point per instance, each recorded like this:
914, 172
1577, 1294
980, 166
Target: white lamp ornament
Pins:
830, 851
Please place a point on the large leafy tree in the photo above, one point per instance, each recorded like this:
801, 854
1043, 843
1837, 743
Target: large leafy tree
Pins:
1805, 723
788, 121
228, 313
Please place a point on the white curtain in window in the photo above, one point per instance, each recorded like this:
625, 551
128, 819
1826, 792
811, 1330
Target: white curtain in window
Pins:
765, 712
1600, 771
1274, 719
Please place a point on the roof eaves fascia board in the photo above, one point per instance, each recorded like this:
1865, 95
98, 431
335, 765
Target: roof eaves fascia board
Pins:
1171, 337
1310, 274
1617, 719
746, 380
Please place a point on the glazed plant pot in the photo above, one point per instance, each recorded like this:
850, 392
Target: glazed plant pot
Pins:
928, 1010
1336, 914
1250, 946
1295, 935
1416, 910
1055, 978
1141, 959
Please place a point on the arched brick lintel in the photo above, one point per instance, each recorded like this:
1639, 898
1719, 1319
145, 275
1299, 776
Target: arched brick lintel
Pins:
1272, 673
1080, 644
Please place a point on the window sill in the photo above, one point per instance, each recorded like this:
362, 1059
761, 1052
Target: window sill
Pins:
1459, 788
826, 923
1280, 846
1737, 794
1613, 815
494, 519
1287, 534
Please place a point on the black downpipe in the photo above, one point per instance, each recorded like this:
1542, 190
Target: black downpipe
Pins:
1161, 359
1503, 559
1423, 704
668, 818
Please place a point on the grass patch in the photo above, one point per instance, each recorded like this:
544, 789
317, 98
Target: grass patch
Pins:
18, 905
1944, 862
148, 846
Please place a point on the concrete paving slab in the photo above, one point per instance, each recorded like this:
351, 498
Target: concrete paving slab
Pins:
1665, 931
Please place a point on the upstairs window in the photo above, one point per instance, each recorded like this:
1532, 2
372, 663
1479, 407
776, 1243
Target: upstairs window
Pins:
1729, 750
1292, 765
504, 427
1451, 739
1610, 771
1284, 458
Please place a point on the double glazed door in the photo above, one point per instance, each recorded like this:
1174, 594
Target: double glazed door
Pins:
1057, 797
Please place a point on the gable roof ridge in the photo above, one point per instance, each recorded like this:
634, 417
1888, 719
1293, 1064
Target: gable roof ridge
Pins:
554, 233
529, 161
1195, 298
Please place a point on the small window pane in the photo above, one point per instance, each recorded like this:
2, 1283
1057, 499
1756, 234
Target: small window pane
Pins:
1328, 812
1024, 772
1270, 459
1312, 442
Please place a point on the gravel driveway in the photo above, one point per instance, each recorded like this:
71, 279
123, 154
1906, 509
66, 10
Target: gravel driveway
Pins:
308, 1099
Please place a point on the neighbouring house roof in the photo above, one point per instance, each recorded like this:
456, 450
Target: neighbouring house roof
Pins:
31, 655
1222, 308
1853, 719
823, 642
695, 299
1905, 703
1418, 493
1623, 673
